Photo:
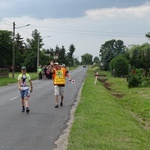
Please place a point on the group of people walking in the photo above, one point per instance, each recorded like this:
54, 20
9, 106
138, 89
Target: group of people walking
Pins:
59, 74
44, 73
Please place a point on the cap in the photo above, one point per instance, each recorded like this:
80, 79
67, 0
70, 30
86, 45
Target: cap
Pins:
23, 68
56, 63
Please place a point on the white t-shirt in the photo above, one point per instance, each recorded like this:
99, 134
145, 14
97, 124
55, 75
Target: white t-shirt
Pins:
24, 80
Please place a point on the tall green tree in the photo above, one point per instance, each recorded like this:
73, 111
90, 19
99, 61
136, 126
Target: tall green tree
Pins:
135, 57
87, 59
19, 51
31, 50
96, 60
139, 56
6, 48
69, 57
109, 50
145, 53
71, 51
62, 55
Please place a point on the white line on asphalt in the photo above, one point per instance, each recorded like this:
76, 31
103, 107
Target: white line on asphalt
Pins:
13, 98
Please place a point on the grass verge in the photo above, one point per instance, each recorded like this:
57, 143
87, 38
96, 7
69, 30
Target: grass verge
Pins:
6, 81
104, 122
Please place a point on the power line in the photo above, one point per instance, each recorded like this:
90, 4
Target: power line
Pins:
25, 32
6, 22
94, 33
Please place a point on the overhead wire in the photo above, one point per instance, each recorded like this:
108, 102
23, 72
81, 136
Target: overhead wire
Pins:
97, 33
5, 22
80, 32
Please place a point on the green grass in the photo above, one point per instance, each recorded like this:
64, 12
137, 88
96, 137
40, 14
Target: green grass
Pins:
136, 100
104, 122
6, 81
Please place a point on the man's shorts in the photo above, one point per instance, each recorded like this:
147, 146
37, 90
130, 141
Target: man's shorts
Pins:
24, 93
58, 90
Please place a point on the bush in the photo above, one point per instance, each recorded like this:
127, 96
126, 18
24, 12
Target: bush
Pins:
146, 82
119, 66
134, 80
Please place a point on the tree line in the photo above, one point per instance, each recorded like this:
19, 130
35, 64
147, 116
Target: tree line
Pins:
132, 61
136, 55
26, 51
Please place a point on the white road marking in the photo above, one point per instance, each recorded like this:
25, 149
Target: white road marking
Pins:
13, 98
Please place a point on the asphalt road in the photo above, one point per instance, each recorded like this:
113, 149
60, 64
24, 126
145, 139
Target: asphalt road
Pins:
39, 129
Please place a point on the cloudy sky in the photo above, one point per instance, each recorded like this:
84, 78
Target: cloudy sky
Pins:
85, 23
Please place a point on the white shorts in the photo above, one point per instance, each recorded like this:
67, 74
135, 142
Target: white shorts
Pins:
58, 90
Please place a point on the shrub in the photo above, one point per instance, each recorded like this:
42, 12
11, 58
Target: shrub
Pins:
119, 66
134, 80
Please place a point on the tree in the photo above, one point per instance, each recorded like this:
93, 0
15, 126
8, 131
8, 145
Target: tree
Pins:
69, 57
119, 47
96, 60
87, 59
135, 57
31, 50
148, 35
62, 57
139, 56
71, 51
6, 47
120, 65
19, 51
109, 50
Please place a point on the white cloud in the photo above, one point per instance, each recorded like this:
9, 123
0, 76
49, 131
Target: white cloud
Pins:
142, 11
90, 32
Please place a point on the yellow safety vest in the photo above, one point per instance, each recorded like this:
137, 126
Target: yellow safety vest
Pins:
59, 76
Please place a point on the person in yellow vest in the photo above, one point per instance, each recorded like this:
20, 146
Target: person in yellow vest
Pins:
23, 85
59, 81
40, 72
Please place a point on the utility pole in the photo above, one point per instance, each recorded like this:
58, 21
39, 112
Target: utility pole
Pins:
38, 50
13, 58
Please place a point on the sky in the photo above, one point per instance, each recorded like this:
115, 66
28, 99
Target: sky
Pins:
87, 24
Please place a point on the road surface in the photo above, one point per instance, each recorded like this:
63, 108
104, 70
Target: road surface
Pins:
39, 129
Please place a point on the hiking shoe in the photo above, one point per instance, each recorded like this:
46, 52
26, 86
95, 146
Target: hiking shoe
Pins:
61, 103
23, 109
56, 106
27, 110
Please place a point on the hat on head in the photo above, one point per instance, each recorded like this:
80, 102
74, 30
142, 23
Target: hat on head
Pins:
23, 68
56, 63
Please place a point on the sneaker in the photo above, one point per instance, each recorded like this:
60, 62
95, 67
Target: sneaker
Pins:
61, 103
23, 109
56, 106
27, 110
